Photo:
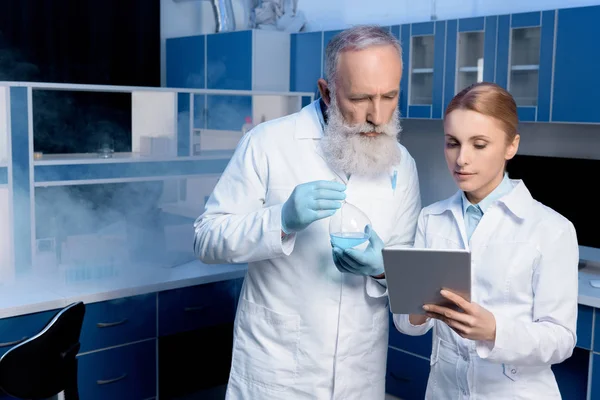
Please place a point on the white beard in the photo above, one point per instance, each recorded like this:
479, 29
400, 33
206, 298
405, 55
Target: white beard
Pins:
346, 150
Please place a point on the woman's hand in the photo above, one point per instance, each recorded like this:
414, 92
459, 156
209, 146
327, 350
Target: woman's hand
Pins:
417, 319
474, 322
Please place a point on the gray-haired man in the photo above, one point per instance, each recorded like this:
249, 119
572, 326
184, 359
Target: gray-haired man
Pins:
312, 321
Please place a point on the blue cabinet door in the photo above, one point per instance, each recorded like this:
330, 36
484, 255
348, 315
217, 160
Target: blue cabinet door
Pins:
424, 49
229, 61
185, 62
524, 61
406, 375
305, 61
585, 318
119, 321
121, 373
487, 27
572, 375
420, 345
15, 330
576, 95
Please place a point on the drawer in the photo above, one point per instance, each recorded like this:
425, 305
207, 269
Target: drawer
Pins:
407, 375
16, 329
191, 308
121, 373
420, 345
585, 321
120, 321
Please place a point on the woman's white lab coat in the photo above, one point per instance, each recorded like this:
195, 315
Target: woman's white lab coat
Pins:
303, 330
524, 270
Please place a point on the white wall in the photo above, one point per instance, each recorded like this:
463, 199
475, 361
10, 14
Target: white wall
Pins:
187, 18
194, 17
424, 139
338, 14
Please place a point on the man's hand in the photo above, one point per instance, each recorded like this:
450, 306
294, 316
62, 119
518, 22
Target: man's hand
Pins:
310, 202
475, 322
368, 262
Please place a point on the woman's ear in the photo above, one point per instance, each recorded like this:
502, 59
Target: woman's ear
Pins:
513, 147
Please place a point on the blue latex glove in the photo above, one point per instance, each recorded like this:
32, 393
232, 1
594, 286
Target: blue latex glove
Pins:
310, 202
368, 262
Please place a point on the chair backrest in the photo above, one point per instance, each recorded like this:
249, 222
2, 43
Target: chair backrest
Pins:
44, 365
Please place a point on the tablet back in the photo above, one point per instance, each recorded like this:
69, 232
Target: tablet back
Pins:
416, 276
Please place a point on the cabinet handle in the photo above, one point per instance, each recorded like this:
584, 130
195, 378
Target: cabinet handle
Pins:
194, 309
399, 378
109, 381
110, 324
9, 344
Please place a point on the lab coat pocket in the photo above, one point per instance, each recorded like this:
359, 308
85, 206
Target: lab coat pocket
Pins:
372, 360
265, 348
511, 372
444, 357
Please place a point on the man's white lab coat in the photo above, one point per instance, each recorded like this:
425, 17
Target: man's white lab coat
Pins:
303, 330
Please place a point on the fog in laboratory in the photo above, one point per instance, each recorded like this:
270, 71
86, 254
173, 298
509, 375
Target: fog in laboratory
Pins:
92, 231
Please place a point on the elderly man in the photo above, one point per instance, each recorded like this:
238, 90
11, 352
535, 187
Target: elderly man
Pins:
312, 321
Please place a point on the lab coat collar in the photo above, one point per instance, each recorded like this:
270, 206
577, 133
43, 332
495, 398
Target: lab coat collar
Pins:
518, 202
309, 124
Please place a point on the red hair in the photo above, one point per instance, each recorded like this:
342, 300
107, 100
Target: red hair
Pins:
488, 99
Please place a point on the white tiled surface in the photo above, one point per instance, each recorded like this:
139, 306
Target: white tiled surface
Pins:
48, 291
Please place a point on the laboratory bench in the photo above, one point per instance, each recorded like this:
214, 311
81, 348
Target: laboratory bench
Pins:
143, 326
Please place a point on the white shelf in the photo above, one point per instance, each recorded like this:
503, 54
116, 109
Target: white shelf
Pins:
468, 69
93, 158
422, 71
525, 67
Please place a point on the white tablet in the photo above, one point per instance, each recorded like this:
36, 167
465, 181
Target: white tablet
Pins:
416, 276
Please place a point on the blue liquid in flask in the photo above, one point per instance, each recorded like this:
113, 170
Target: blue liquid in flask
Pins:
346, 240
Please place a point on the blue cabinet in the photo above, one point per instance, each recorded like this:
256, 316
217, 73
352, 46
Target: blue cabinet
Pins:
420, 345
18, 329
119, 321
585, 321
423, 52
187, 309
470, 54
121, 373
524, 61
305, 61
576, 95
185, 62
406, 375
239, 60
572, 375
229, 61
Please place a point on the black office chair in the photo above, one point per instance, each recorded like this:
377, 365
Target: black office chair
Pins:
45, 366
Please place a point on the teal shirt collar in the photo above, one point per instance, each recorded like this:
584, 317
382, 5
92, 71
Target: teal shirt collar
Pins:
501, 190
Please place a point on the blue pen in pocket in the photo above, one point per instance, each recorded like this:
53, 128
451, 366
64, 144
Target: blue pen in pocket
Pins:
394, 176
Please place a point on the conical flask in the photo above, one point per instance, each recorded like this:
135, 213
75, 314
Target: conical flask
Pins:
347, 226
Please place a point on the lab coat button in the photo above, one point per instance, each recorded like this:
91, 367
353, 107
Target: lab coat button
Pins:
513, 371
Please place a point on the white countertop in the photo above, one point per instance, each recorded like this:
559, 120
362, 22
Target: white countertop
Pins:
589, 295
49, 291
